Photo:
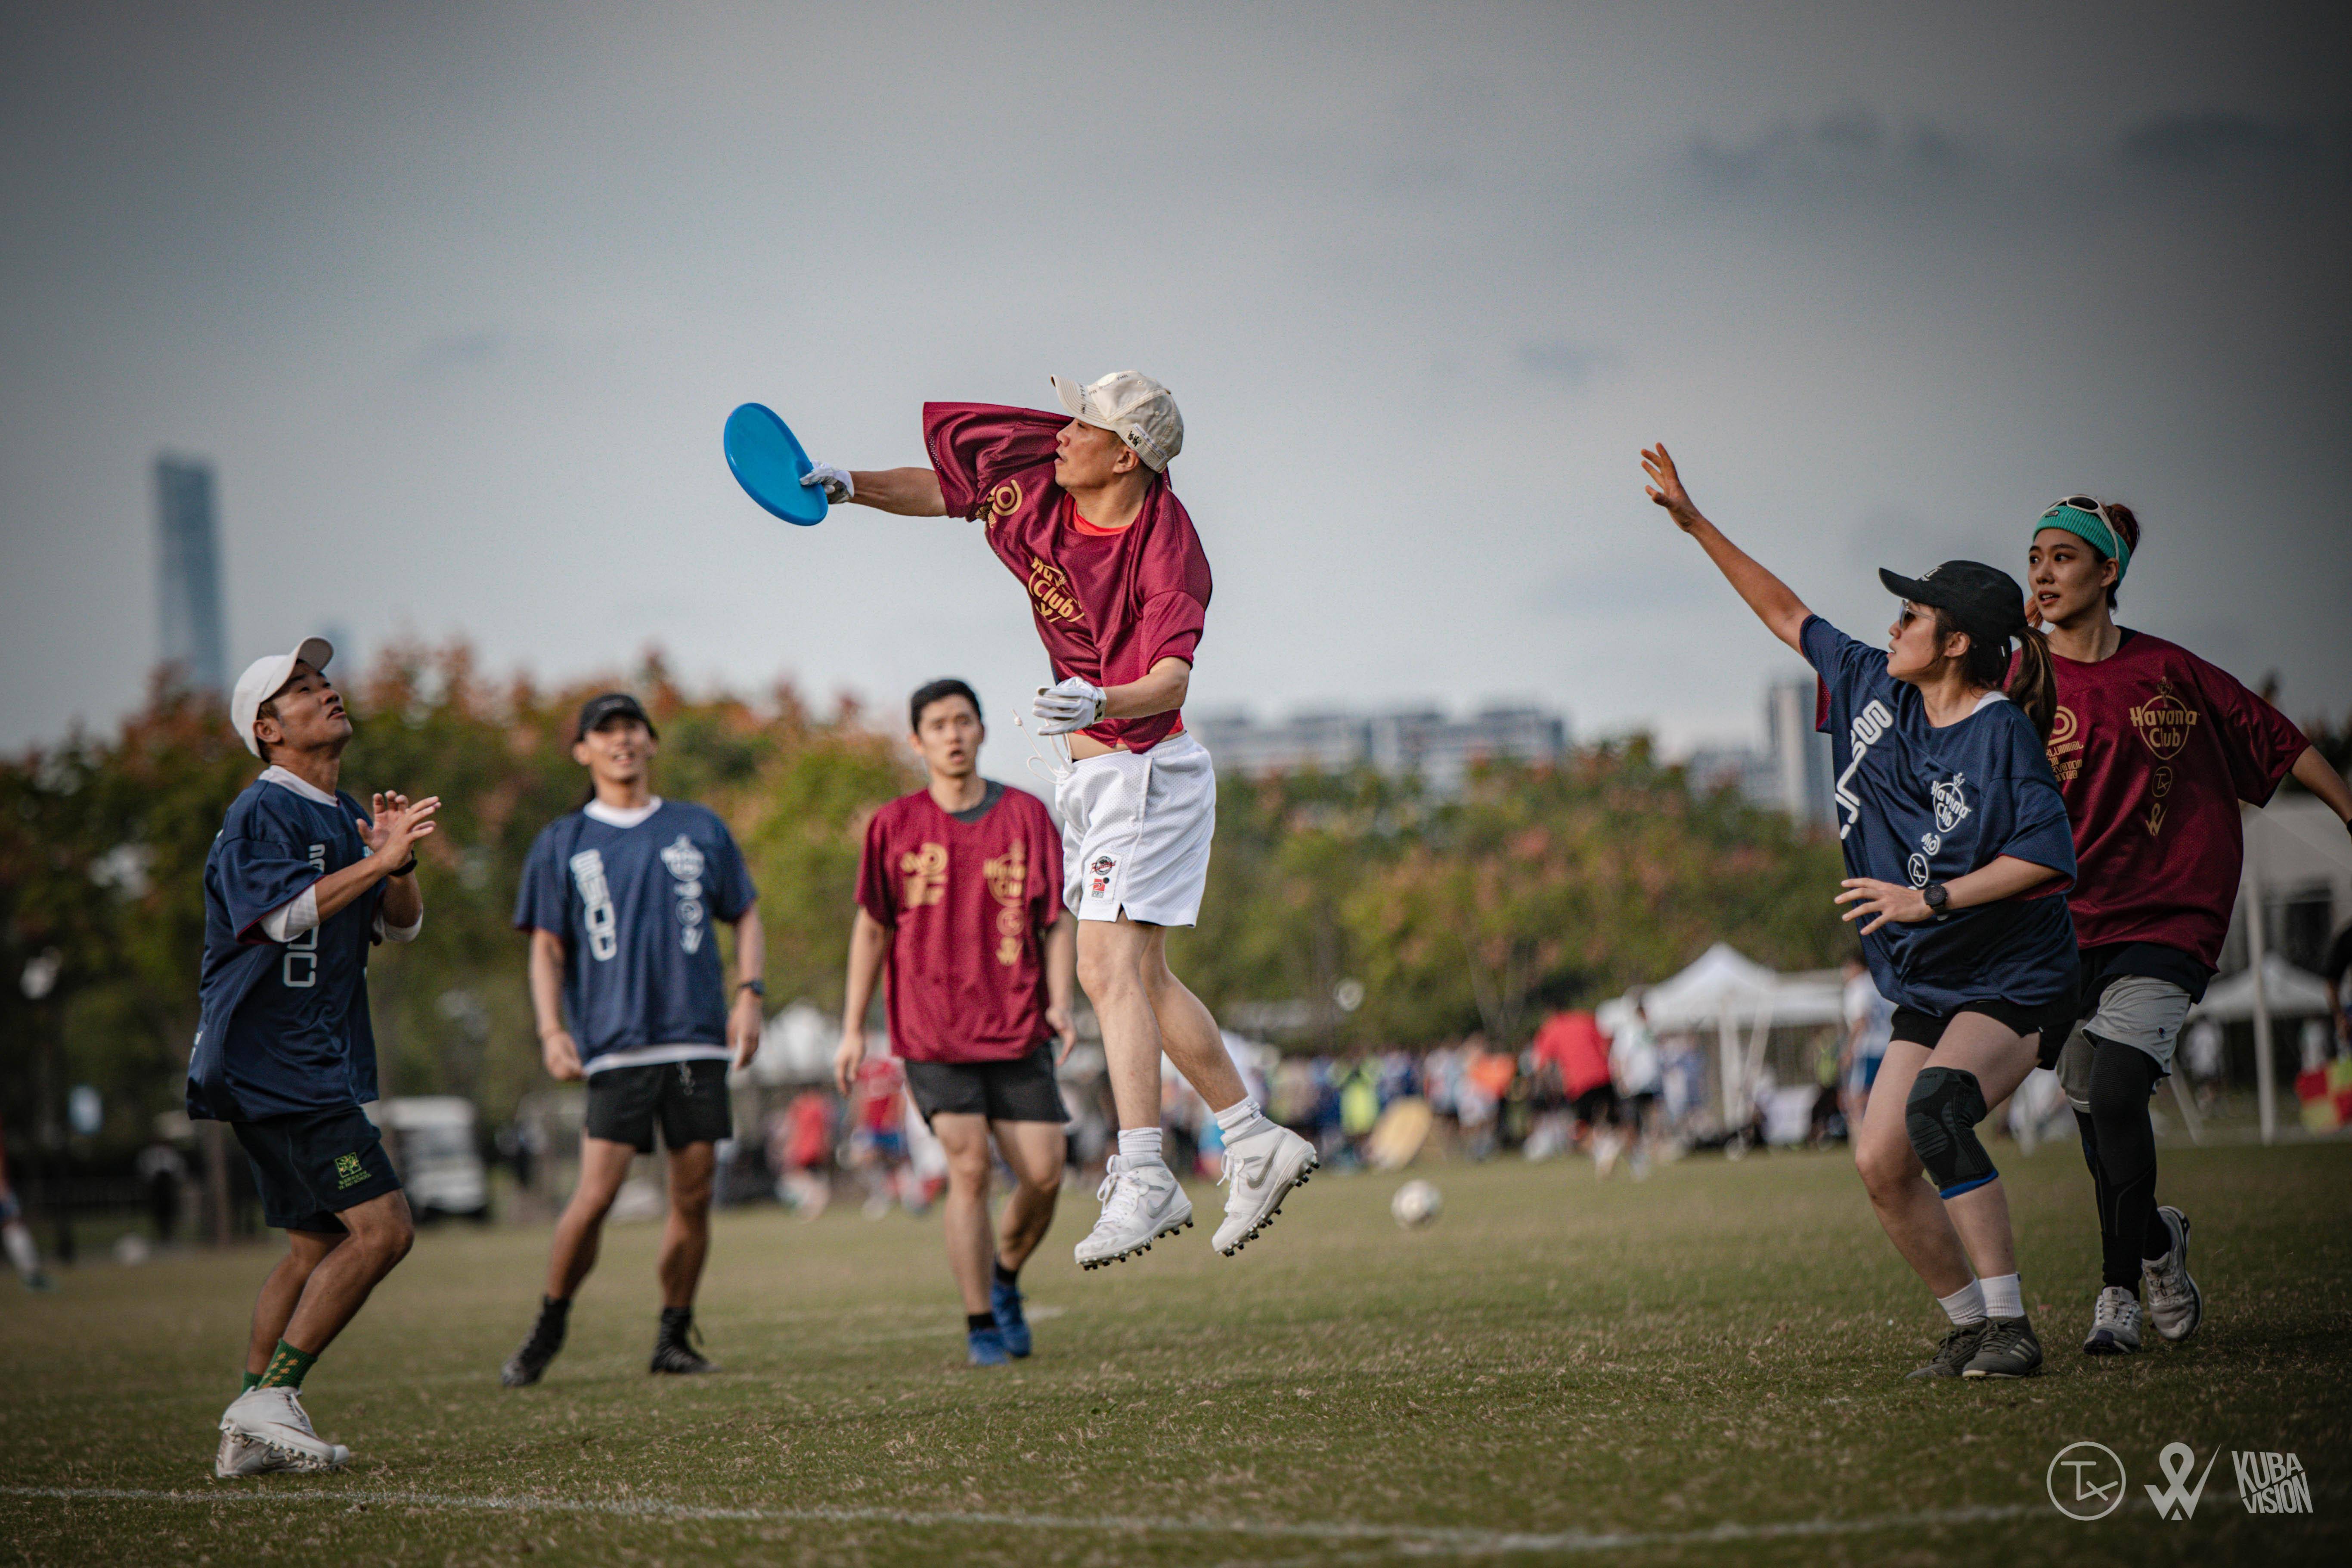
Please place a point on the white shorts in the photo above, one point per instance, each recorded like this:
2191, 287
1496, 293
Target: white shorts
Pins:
1136, 828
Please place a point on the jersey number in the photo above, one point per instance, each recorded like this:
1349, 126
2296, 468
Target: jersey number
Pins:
301, 965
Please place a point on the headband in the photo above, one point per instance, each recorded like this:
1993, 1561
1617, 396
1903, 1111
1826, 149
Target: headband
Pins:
2093, 530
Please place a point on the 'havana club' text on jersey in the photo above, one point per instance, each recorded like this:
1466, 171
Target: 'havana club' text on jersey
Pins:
967, 905
1108, 604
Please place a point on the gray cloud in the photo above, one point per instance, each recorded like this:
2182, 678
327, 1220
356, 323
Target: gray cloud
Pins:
2217, 139
1848, 146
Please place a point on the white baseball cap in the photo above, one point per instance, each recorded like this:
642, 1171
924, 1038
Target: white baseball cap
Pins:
1131, 406
265, 678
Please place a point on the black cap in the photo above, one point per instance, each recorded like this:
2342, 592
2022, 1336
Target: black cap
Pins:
612, 705
1985, 600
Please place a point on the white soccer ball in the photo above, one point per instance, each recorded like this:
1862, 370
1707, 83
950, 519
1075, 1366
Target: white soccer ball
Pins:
1415, 1204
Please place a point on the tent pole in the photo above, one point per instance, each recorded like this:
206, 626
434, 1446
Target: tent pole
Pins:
1727, 1036
2257, 951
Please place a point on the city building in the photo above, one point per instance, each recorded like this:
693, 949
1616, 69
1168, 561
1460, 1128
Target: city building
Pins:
1438, 748
190, 637
1792, 772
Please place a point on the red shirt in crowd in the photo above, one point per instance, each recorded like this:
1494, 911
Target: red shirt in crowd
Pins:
966, 904
2154, 747
1109, 603
1574, 1042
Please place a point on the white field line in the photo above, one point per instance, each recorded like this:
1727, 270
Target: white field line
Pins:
1426, 1538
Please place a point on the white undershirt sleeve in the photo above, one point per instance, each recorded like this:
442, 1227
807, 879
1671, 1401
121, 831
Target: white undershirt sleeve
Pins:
291, 918
398, 933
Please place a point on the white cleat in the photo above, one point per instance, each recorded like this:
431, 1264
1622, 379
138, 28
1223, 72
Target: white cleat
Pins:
1260, 1171
2175, 1305
1140, 1205
274, 1418
242, 1455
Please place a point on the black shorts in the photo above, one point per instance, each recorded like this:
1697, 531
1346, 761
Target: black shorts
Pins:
1022, 1089
1598, 1104
2052, 1020
311, 1165
688, 1099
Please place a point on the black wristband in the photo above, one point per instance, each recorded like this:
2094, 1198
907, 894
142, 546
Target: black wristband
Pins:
756, 987
404, 868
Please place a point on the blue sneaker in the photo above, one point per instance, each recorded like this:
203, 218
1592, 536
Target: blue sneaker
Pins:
986, 1347
1004, 1300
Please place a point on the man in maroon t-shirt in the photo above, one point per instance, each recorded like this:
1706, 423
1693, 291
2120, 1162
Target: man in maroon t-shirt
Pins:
1080, 509
959, 905
2154, 750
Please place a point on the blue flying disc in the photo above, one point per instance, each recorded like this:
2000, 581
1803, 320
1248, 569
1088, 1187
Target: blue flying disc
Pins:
768, 462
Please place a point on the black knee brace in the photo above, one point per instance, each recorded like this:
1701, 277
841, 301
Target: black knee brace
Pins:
1942, 1113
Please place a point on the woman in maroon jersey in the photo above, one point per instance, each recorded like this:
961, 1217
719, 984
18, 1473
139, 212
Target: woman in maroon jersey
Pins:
2153, 748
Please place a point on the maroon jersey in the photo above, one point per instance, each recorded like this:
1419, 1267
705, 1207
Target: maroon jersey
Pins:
1109, 604
2154, 747
966, 904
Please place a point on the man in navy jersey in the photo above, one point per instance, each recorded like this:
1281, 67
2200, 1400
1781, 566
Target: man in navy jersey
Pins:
959, 903
297, 884
619, 898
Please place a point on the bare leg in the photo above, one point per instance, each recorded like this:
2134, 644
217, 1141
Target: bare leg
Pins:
685, 1238
380, 1235
1124, 967
1035, 1151
604, 1167
1188, 1032
964, 1138
1908, 1210
1999, 1059
274, 1308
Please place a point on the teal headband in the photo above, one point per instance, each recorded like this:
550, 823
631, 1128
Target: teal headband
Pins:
2092, 529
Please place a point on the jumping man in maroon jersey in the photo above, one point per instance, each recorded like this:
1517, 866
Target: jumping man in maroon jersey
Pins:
1081, 510
960, 902
2153, 748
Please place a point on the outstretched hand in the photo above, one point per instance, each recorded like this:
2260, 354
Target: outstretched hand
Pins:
1665, 487
395, 826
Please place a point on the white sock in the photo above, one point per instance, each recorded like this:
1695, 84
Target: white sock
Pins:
1967, 1304
2004, 1297
1140, 1147
1243, 1118
21, 1251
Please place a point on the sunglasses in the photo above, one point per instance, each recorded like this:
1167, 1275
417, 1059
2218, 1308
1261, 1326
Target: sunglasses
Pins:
2082, 503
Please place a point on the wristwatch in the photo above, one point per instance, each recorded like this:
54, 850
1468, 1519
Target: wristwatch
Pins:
1936, 895
756, 988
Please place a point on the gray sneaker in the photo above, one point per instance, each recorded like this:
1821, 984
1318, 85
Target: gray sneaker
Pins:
2175, 1305
1959, 1346
2115, 1323
2008, 1350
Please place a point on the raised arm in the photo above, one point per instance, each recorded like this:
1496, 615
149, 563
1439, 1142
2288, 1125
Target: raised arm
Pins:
909, 492
1782, 612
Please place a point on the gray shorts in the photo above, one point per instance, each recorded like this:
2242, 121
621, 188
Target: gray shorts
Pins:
2135, 1010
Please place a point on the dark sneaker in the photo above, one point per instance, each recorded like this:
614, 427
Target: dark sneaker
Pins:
985, 1347
2009, 1350
2115, 1323
1959, 1346
672, 1354
1004, 1300
539, 1347
2175, 1305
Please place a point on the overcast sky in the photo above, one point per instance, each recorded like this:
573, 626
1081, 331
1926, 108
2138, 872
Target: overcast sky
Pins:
457, 299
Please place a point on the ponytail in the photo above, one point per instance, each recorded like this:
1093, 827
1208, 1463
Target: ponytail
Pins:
2126, 526
2033, 683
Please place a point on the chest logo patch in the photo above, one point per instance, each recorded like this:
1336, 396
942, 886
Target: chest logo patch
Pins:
1008, 878
2164, 722
926, 871
1049, 590
684, 864
1004, 501
1951, 805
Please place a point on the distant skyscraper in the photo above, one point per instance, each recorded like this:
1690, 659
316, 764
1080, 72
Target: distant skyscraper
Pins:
1800, 753
1442, 750
189, 634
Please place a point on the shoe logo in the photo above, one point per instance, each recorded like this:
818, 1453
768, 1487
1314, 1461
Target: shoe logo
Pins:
2271, 1482
349, 1172
2177, 1499
2091, 1486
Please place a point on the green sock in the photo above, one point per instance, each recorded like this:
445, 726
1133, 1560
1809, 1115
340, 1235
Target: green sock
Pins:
287, 1367
251, 1378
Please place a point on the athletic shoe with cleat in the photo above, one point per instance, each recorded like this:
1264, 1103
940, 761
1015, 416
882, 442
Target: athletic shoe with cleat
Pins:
1140, 1205
1956, 1349
671, 1351
985, 1347
241, 1456
2008, 1350
529, 1362
274, 1418
1259, 1173
1004, 1300
2115, 1323
2175, 1305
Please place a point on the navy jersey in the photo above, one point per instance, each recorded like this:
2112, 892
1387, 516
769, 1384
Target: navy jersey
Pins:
283, 1027
634, 906
1918, 805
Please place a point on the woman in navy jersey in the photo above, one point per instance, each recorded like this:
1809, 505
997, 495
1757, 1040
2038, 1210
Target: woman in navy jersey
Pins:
1958, 856
2153, 749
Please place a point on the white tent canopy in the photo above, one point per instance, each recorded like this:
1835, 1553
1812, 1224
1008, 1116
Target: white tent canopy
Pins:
2291, 993
1725, 989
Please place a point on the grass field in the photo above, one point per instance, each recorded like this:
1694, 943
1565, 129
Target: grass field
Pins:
1703, 1366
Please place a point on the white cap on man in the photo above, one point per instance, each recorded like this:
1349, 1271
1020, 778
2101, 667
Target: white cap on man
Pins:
265, 678
1131, 406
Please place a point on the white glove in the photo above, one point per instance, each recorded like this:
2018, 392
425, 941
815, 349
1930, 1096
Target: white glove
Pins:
1069, 705
836, 482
